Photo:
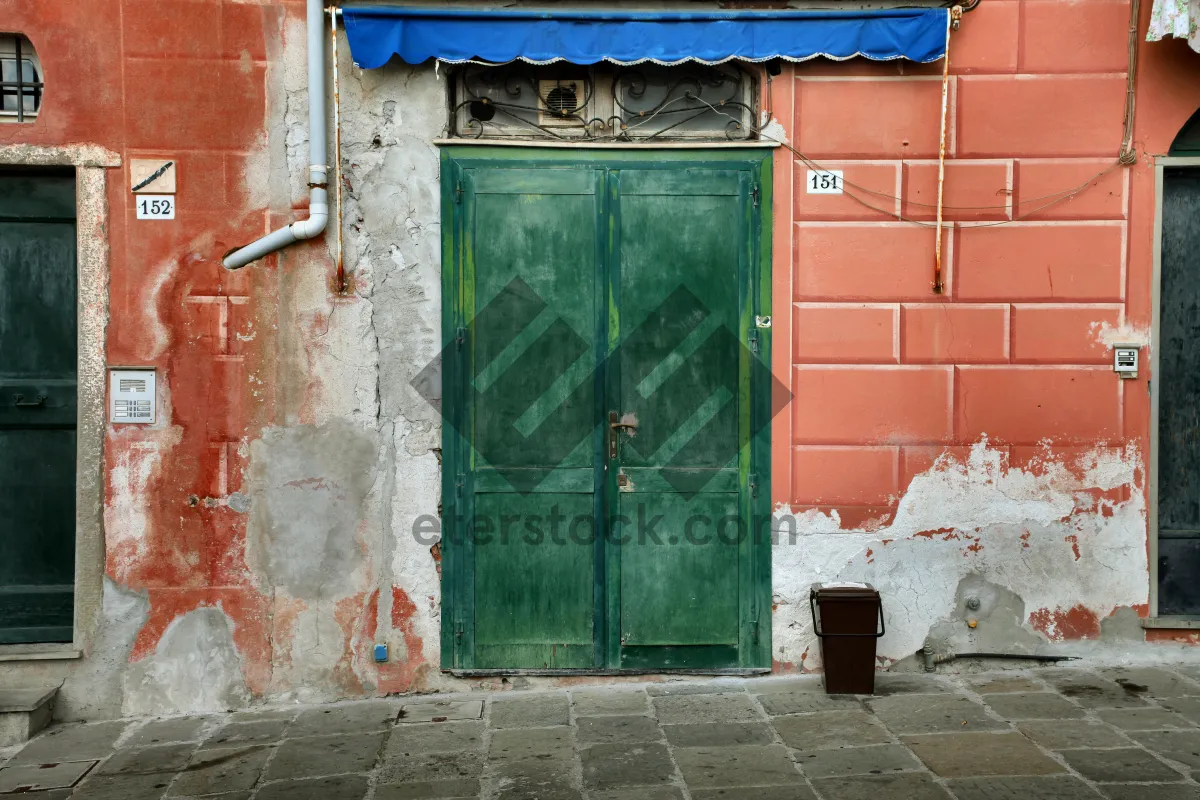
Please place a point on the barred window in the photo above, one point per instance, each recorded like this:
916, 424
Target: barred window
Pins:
20, 79
605, 103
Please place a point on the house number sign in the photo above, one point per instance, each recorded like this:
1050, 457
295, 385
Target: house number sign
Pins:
824, 181
155, 206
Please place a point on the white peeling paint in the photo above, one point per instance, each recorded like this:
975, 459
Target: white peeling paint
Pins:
1109, 335
127, 513
975, 517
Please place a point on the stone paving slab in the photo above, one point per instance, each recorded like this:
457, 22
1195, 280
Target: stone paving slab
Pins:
737, 765
1142, 719
598, 730
1146, 791
223, 770
606, 766
1156, 683
908, 786
123, 787
1062, 787
160, 758
538, 711
594, 703
922, 713
805, 702
167, 731
1119, 766
1074, 734
43, 776
960, 755
993, 684
1181, 746
434, 737
798, 791
694, 708
72, 742
718, 734
876, 759
442, 711
1033, 705
1092, 691
831, 729
342, 787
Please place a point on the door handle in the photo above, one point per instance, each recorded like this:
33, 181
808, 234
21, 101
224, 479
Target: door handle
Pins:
19, 401
614, 427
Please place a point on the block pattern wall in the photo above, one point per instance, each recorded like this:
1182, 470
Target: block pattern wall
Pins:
886, 374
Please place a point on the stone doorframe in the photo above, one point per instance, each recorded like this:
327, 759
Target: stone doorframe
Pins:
91, 226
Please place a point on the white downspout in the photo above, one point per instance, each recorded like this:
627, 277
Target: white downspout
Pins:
318, 202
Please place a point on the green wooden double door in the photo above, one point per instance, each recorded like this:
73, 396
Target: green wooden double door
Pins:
606, 399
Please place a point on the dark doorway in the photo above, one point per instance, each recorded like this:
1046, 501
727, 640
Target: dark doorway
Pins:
37, 405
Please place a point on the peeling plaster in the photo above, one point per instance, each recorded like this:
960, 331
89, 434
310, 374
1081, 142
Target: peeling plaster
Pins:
195, 669
1036, 532
1111, 335
308, 485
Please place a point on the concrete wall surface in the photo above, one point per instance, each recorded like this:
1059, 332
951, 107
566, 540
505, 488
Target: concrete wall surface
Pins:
969, 445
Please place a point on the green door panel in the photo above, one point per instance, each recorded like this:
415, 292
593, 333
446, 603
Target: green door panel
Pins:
583, 288
531, 239
533, 580
38, 406
682, 283
679, 579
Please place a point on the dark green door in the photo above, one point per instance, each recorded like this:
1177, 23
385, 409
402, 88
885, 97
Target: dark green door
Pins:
37, 406
606, 454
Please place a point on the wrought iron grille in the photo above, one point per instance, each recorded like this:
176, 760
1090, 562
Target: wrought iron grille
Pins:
642, 103
20, 80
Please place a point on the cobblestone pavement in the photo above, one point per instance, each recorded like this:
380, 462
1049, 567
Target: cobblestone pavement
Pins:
1054, 733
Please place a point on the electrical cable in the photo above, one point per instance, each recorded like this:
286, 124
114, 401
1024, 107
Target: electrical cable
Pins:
1058, 196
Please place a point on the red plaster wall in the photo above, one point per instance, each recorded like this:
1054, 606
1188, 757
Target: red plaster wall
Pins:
184, 80
886, 374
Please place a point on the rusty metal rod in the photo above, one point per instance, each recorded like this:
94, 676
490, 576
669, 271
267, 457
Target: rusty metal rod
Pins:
938, 284
340, 277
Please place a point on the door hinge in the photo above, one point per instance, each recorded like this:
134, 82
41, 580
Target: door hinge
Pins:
460, 336
460, 480
458, 631
756, 194
458, 191
754, 484
752, 340
754, 630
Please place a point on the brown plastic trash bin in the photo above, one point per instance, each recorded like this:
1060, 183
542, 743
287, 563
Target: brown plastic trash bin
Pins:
845, 618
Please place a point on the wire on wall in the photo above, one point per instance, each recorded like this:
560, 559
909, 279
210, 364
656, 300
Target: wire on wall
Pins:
1128, 153
938, 285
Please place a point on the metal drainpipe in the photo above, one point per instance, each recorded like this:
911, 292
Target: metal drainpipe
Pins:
318, 202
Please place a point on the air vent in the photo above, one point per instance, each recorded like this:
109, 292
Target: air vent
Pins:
560, 103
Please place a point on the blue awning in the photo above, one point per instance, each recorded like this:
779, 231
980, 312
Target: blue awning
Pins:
376, 33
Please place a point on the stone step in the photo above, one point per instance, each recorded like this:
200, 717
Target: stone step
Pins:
24, 710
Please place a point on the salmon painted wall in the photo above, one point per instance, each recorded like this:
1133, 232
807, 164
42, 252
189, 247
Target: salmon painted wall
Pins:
975, 443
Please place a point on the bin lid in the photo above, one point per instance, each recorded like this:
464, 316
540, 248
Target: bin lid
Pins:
845, 590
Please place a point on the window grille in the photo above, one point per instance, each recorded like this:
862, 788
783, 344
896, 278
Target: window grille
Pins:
21, 83
605, 103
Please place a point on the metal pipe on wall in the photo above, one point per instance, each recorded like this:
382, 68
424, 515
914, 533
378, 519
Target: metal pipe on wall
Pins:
318, 200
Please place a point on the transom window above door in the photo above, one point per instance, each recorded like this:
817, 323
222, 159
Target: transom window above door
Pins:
20, 79
605, 102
